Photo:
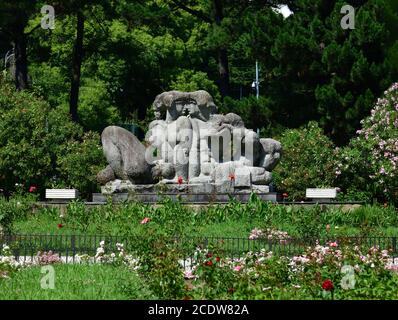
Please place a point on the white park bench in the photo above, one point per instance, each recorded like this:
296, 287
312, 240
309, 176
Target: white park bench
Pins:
61, 194
321, 194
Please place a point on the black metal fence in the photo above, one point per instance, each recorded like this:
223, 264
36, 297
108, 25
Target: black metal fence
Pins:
25, 247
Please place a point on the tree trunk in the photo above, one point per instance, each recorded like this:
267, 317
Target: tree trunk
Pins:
223, 70
223, 67
20, 58
76, 66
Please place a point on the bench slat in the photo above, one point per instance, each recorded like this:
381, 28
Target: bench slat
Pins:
61, 193
321, 193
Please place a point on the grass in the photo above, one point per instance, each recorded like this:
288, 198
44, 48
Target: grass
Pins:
217, 221
43, 223
75, 282
231, 220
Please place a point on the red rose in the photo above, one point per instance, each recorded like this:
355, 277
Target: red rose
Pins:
232, 177
218, 259
327, 285
180, 180
285, 195
209, 255
209, 263
32, 189
60, 225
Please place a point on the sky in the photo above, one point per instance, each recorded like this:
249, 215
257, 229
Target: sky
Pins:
284, 10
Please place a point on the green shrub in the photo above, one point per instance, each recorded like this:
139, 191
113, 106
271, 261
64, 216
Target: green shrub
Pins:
16, 208
41, 146
308, 161
31, 134
80, 161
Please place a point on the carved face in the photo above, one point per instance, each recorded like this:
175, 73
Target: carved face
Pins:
173, 104
185, 107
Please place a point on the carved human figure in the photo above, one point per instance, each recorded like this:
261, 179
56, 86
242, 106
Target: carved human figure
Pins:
189, 141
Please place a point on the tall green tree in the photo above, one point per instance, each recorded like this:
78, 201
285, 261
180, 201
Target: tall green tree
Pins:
223, 16
325, 73
14, 17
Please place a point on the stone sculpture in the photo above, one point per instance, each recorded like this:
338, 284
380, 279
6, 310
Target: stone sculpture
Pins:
188, 147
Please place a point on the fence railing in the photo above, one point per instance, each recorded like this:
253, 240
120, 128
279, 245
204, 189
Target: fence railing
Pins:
26, 246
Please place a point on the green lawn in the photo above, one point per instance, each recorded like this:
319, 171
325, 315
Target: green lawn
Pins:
72, 282
47, 224
212, 222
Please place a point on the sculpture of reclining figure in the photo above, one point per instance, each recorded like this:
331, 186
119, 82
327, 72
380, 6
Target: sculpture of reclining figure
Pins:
188, 142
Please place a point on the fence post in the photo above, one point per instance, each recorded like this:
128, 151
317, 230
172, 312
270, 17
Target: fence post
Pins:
73, 243
270, 245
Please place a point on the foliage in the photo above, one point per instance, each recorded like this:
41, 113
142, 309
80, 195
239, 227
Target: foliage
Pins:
213, 278
319, 71
159, 251
160, 267
11, 210
255, 112
234, 219
96, 110
40, 145
31, 133
369, 163
377, 142
77, 282
80, 162
189, 80
308, 161
330, 271
8, 264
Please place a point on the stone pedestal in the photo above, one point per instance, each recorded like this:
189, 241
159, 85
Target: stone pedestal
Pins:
221, 192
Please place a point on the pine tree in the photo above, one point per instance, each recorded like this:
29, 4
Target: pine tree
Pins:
325, 73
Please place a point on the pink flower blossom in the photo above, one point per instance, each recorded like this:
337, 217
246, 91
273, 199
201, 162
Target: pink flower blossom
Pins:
145, 220
333, 244
238, 268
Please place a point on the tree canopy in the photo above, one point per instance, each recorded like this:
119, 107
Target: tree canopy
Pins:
106, 60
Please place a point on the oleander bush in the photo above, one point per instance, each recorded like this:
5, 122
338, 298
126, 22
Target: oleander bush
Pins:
369, 163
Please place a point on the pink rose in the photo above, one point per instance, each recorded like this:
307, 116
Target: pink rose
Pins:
145, 220
238, 268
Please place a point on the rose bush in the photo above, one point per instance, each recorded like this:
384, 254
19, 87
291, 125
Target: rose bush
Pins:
333, 270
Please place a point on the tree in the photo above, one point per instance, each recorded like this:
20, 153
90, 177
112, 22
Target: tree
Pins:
14, 17
76, 66
322, 72
223, 17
